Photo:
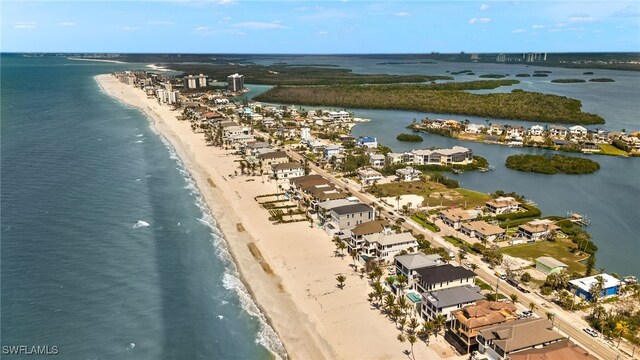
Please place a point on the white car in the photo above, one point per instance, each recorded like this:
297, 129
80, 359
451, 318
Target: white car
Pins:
591, 332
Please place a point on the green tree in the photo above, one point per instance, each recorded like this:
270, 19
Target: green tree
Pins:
532, 306
341, 279
439, 322
622, 328
412, 340
514, 298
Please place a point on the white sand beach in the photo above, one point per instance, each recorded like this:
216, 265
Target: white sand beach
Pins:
290, 269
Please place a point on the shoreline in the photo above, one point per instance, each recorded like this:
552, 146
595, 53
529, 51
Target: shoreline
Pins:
96, 60
289, 269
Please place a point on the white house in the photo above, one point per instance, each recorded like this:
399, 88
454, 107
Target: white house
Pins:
578, 131
368, 175
515, 132
536, 130
368, 142
455, 217
503, 205
332, 150
481, 230
408, 264
447, 300
443, 277
557, 131
474, 129
408, 174
384, 246
496, 129
376, 160
537, 229
288, 170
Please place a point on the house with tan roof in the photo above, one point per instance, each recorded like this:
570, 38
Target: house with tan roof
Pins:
500, 341
356, 241
561, 350
503, 205
368, 175
482, 230
287, 170
472, 318
455, 217
537, 230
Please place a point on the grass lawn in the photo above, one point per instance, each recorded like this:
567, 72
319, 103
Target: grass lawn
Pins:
424, 224
558, 250
483, 285
609, 149
433, 193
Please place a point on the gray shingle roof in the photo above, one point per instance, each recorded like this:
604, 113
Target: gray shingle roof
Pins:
448, 272
350, 209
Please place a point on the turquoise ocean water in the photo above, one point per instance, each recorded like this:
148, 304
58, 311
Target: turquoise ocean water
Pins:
107, 249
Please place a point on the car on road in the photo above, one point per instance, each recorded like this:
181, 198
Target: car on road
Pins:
526, 314
591, 332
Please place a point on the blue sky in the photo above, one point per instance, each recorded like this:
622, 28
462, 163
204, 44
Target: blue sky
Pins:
352, 26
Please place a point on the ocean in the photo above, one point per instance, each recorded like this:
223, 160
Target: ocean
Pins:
108, 251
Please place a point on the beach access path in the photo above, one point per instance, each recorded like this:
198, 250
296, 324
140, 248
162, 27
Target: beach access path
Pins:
290, 269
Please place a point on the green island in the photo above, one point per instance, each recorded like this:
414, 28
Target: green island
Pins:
552, 164
280, 74
568, 81
587, 73
409, 137
602, 80
444, 98
540, 75
492, 76
523, 75
542, 72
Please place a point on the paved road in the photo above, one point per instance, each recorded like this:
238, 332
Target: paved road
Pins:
573, 331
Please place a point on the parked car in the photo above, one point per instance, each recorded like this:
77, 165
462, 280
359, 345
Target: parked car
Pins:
591, 332
526, 313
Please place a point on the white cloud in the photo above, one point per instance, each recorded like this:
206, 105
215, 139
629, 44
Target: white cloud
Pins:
483, 20
129, 28
66, 23
322, 33
484, 7
25, 25
402, 13
226, 18
516, 31
555, 30
631, 11
201, 28
322, 14
223, 2
255, 25
536, 26
579, 19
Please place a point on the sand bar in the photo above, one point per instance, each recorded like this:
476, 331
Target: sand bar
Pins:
290, 269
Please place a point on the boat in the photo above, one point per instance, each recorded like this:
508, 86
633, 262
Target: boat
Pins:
630, 279
485, 169
578, 219
457, 171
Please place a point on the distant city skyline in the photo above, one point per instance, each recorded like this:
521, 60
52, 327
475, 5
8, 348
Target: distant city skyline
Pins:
320, 27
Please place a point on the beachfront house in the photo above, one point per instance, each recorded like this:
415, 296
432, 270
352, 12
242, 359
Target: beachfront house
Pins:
498, 342
472, 318
482, 230
368, 176
367, 142
557, 131
356, 240
287, 170
408, 264
562, 350
385, 245
324, 208
548, 265
408, 174
503, 205
272, 158
583, 286
399, 158
455, 217
447, 300
536, 130
443, 277
376, 160
347, 217
536, 230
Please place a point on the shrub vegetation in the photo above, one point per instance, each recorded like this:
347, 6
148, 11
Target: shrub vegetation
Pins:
553, 164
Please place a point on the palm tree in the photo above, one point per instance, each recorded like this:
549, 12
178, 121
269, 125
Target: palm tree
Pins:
403, 304
398, 201
341, 247
389, 303
439, 322
412, 340
354, 256
532, 306
514, 297
427, 328
474, 266
401, 338
551, 317
402, 321
402, 281
622, 328
341, 279
413, 324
